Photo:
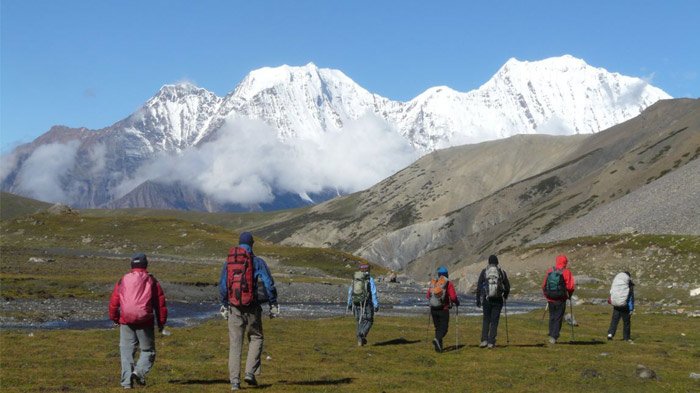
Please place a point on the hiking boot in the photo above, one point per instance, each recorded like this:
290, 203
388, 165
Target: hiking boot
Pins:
359, 341
235, 386
250, 379
437, 345
364, 341
610, 336
136, 378
490, 346
552, 340
483, 344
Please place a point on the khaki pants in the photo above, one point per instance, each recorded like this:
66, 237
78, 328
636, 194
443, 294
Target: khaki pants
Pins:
240, 320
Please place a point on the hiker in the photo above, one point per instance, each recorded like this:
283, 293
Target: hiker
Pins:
241, 306
492, 290
362, 300
622, 300
136, 304
557, 287
441, 297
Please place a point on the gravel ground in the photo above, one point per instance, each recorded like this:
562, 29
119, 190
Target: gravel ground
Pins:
669, 205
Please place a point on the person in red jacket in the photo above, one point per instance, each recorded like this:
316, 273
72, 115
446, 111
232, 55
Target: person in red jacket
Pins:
557, 287
136, 305
441, 296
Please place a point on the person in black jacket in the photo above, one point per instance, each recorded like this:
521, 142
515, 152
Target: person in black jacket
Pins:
491, 291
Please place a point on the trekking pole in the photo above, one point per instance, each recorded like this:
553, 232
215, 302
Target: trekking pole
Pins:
505, 305
456, 327
546, 306
572, 320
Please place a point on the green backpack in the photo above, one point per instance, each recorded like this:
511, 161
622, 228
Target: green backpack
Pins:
360, 287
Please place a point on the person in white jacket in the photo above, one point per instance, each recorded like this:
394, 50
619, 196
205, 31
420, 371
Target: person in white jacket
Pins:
622, 300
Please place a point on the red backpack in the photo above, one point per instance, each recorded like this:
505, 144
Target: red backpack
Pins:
136, 298
239, 268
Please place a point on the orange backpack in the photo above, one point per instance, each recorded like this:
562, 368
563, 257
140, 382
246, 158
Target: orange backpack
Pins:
438, 290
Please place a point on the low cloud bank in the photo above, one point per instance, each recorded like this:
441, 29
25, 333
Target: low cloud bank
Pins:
247, 163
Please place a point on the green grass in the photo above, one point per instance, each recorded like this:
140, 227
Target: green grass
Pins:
321, 356
179, 251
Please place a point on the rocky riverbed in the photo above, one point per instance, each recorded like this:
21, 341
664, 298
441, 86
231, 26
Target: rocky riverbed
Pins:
190, 304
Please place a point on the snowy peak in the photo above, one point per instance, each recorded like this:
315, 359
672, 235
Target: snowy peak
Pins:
176, 117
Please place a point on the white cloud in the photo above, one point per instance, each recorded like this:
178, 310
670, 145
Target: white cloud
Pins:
42, 173
247, 163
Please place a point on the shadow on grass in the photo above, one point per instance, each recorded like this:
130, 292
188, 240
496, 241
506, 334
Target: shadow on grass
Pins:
396, 341
453, 348
540, 345
320, 382
593, 342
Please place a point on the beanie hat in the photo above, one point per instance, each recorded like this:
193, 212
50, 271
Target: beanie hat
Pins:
246, 238
139, 260
493, 260
442, 271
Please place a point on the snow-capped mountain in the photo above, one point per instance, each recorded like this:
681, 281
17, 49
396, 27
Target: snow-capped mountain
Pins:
312, 112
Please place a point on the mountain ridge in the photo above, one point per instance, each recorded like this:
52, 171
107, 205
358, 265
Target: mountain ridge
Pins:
309, 105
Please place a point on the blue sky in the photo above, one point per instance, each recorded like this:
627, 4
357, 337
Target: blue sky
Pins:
92, 63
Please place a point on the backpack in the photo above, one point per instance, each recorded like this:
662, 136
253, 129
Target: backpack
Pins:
493, 285
360, 287
438, 291
620, 290
136, 298
555, 286
239, 268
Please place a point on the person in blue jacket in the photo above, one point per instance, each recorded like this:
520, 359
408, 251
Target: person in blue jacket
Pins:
362, 300
247, 317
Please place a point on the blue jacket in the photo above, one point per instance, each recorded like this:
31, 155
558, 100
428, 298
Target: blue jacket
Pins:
373, 290
630, 299
260, 271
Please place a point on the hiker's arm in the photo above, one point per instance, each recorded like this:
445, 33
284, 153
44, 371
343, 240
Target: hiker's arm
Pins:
570, 282
114, 304
262, 272
452, 294
630, 302
162, 306
373, 290
223, 286
506, 285
479, 284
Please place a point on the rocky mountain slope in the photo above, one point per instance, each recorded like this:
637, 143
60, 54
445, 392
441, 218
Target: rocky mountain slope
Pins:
306, 108
412, 220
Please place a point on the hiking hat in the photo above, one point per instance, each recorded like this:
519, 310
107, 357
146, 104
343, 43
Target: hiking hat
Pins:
562, 260
364, 267
493, 260
139, 260
246, 238
442, 271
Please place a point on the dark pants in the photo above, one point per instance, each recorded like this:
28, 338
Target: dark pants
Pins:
441, 321
364, 315
556, 317
624, 313
489, 326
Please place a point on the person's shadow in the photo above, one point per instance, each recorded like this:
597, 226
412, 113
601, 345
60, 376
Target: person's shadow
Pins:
396, 341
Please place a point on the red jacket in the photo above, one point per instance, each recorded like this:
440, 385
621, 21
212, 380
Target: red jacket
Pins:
560, 264
134, 285
451, 296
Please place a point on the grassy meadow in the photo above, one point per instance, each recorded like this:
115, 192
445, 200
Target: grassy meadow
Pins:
83, 255
322, 356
